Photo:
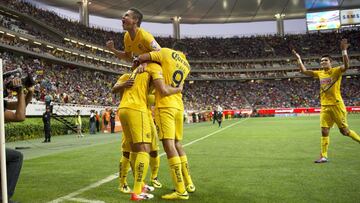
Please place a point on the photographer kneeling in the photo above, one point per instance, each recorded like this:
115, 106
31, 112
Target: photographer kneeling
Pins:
14, 158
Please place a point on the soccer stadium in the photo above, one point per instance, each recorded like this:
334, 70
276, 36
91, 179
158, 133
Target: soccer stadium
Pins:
96, 114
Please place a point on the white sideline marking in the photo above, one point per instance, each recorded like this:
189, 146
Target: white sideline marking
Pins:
85, 200
114, 176
94, 185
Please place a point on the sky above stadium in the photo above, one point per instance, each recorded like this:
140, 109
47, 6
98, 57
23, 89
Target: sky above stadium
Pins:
189, 30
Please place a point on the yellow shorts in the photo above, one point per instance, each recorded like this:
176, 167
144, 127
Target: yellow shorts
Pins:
154, 136
136, 125
331, 114
125, 145
169, 122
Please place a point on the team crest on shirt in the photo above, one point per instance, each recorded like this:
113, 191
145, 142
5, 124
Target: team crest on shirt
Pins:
325, 81
148, 135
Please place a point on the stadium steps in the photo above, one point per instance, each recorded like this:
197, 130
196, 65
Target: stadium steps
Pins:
65, 115
67, 121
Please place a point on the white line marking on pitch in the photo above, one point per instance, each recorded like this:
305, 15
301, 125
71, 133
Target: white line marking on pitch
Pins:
114, 176
85, 200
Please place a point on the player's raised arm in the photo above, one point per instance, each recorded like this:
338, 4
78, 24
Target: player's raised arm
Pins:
120, 54
344, 45
301, 65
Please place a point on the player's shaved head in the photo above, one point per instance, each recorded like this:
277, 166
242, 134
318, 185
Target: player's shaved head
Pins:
137, 15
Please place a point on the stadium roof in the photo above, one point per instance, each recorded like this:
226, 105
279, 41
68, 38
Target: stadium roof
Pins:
207, 11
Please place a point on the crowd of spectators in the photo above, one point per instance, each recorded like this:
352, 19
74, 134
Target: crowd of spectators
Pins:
70, 28
267, 64
212, 48
70, 84
67, 55
298, 92
65, 84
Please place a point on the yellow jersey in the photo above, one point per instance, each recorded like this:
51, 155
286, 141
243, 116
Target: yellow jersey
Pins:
78, 120
175, 69
123, 78
330, 82
136, 97
144, 42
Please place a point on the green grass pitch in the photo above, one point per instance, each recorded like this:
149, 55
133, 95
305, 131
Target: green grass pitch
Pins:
248, 160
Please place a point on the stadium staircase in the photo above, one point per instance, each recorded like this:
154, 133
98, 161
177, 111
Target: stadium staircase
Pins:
65, 115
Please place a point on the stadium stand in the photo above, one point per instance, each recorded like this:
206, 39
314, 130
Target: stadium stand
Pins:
236, 72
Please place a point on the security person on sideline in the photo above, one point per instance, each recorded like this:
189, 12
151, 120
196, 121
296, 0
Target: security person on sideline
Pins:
47, 127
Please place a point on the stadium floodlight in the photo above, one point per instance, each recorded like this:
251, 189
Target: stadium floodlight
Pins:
82, 55
2, 32
73, 41
48, 46
59, 49
76, 54
87, 45
82, 44
35, 42
66, 51
66, 39
11, 35
278, 15
24, 39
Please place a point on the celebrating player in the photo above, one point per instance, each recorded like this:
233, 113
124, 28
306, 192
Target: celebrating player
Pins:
332, 106
169, 114
137, 41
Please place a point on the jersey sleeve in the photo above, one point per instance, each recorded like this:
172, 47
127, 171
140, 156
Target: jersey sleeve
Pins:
150, 42
155, 71
123, 78
316, 74
337, 71
157, 56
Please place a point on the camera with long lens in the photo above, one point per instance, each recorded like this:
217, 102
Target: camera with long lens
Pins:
26, 77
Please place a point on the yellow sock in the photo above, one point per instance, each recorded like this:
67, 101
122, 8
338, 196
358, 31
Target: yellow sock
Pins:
185, 170
132, 158
141, 167
354, 136
124, 166
324, 146
176, 175
154, 165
